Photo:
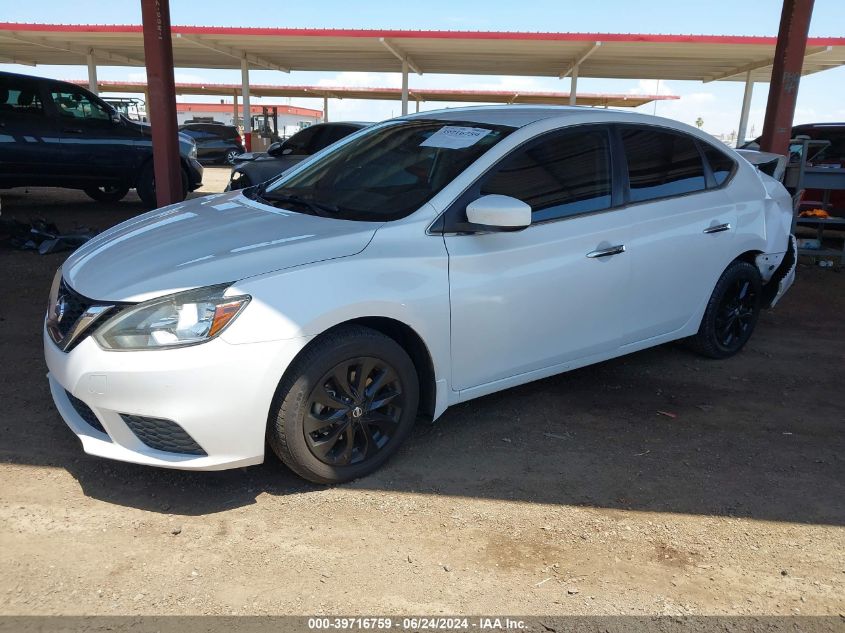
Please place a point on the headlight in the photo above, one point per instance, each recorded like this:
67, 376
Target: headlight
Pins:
184, 318
193, 151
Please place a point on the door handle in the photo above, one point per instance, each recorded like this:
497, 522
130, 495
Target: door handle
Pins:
72, 130
718, 228
607, 252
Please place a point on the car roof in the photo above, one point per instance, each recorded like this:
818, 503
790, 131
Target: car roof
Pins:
523, 115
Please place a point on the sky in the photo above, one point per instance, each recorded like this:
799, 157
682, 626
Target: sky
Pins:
821, 96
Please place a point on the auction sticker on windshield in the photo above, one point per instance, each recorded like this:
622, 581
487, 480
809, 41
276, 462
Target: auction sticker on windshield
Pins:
455, 137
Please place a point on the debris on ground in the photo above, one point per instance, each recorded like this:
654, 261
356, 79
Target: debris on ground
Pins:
668, 414
42, 236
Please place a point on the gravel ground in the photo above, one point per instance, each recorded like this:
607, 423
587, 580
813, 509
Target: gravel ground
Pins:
571, 495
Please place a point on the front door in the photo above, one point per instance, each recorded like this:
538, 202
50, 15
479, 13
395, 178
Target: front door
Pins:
555, 292
95, 148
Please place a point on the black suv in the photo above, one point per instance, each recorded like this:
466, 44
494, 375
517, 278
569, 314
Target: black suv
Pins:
56, 134
215, 142
256, 167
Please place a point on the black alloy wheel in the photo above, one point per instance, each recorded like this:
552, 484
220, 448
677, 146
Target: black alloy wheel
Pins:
731, 313
736, 314
231, 156
344, 406
353, 411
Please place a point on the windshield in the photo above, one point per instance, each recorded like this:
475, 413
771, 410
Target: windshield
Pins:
385, 173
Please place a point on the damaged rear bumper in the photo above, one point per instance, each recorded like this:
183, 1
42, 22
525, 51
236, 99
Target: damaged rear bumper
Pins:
782, 278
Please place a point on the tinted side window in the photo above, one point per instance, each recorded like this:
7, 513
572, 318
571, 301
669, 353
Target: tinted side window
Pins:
661, 164
18, 98
334, 133
303, 142
77, 105
562, 175
720, 163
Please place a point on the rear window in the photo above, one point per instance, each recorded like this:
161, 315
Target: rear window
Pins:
19, 98
661, 164
721, 164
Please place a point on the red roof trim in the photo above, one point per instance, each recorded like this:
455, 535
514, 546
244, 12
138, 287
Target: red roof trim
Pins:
408, 34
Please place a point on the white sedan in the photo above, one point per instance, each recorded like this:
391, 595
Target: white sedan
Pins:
419, 263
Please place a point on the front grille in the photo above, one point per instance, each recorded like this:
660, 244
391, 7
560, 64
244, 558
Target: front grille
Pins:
74, 306
68, 331
85, 412
162, 435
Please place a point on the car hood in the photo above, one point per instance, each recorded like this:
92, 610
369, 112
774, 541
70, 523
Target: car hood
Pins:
205, 241
251, 156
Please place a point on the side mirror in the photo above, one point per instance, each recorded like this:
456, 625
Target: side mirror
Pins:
274, 148
116, 118
499, 213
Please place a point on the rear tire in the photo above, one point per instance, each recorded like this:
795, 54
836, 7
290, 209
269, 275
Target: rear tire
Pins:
731, 313
231, 156
146, 186
345, 406
107, 193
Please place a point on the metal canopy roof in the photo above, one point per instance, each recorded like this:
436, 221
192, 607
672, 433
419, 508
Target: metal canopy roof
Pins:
607, 55
392, 94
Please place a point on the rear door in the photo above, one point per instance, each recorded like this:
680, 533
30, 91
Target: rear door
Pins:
555, 292
683, 223
29, 143
95, 149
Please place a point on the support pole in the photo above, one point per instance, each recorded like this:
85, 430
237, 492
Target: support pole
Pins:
158, 55
246, 107
325, 109
92, 72
786, 75
746, 107
404, 87
235, 108
573, 86
418, 105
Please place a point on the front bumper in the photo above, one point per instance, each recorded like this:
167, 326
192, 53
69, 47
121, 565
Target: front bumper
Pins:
218, 393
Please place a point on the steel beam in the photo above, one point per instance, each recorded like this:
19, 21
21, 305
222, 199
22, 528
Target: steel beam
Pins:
92, 72
573, 86
786, 75
246, 104
580, 59
400, 55
67, 47
254, 60
404, 87
763, 63
746, 108
158, 51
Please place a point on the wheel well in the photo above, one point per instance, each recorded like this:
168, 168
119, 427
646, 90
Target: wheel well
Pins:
749, 256
411, 342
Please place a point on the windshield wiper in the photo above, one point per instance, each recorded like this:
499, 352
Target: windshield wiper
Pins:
317, 208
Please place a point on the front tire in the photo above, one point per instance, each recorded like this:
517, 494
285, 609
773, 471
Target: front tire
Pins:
146, 186
345, 406
107, 193
731, 313
231, 156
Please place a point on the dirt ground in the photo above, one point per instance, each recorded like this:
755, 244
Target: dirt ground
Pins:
572, 495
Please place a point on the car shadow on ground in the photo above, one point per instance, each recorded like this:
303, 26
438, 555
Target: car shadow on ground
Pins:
758, 436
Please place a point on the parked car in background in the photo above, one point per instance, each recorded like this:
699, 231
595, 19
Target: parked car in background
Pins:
254, 168
426, 261
833, 155
216, 142
58, 134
